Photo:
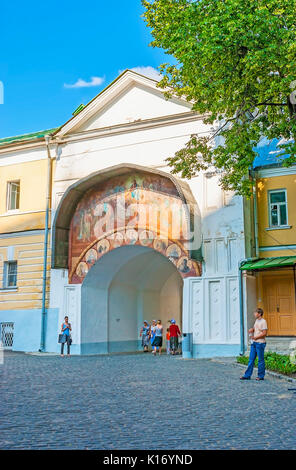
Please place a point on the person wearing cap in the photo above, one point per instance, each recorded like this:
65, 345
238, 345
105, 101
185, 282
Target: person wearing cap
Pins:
144, 334
174, 334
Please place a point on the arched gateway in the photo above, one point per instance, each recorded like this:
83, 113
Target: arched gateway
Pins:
125, 235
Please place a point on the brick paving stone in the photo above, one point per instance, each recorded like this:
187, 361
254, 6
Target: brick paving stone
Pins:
140, 401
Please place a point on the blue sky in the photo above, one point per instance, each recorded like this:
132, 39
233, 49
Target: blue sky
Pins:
45, 45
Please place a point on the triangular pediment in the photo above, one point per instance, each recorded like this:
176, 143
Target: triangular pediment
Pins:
130, 98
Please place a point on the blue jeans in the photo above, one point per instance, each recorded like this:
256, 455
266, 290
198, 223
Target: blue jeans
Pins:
68, 345
257, 349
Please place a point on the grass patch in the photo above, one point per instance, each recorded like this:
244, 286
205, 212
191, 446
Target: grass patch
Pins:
273, 361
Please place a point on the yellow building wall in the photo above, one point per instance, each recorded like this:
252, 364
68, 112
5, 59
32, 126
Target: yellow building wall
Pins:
28, 249
276, 237
28, 252
31, 213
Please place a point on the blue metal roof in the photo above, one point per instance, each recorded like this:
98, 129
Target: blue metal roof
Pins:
269, 154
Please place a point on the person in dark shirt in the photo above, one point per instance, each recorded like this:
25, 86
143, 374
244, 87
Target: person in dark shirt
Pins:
174, 334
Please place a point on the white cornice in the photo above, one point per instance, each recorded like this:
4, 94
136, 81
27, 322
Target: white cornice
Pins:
134, 126
18, 213
19, 146
26, 233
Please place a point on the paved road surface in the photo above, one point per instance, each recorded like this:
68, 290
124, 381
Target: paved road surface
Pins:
140, 402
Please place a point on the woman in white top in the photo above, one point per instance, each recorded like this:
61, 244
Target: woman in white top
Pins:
157, 342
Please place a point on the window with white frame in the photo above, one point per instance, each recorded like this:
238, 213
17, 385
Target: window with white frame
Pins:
278, 210
13, 195
10, 274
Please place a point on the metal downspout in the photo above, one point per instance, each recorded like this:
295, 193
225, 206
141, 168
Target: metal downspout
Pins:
44, 277
241, 289
255, 217
241, 311
294, 276
241, 304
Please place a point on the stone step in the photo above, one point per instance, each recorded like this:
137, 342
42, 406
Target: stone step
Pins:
280, 345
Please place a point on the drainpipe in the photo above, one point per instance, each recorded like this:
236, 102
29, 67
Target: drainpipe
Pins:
48, 194
241, 300
241, 309
255, 216
241, 303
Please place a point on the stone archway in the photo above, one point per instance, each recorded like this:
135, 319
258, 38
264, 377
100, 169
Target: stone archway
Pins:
112, 220
124, 287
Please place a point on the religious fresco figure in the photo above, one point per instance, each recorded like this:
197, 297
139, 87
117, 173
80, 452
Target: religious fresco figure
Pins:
91, 256
82, 269
160, 245
131, 236
105, 218
103, 246
146, 237
80, 235
134, 184
184, 265
173, 251
116, 239
85, 225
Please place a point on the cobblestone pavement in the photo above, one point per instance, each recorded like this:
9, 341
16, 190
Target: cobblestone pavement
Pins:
140, 402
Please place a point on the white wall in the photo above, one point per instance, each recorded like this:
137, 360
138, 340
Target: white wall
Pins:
213, 306
123, 288
171, 300
125, 108
149, 147
122, 313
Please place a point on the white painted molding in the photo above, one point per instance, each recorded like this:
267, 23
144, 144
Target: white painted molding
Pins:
280, 227
144, 124
18, 212
277, 248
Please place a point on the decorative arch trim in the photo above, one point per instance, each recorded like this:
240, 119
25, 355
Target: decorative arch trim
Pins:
171, 249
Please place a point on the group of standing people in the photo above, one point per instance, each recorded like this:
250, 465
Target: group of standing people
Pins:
150, 334
153, 334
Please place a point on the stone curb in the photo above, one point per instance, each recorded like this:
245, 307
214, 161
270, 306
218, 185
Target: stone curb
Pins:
267, 372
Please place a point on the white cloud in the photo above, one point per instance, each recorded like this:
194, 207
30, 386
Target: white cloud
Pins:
148, 71
95, 81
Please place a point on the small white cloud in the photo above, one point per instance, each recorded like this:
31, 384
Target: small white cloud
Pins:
147, 71
263, 142
95, 81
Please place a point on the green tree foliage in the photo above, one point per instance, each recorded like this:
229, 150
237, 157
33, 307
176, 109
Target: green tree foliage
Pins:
235, 60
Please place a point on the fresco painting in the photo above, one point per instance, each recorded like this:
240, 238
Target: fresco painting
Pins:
138, 208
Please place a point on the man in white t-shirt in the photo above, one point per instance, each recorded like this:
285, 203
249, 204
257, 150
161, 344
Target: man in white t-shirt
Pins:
257, 347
